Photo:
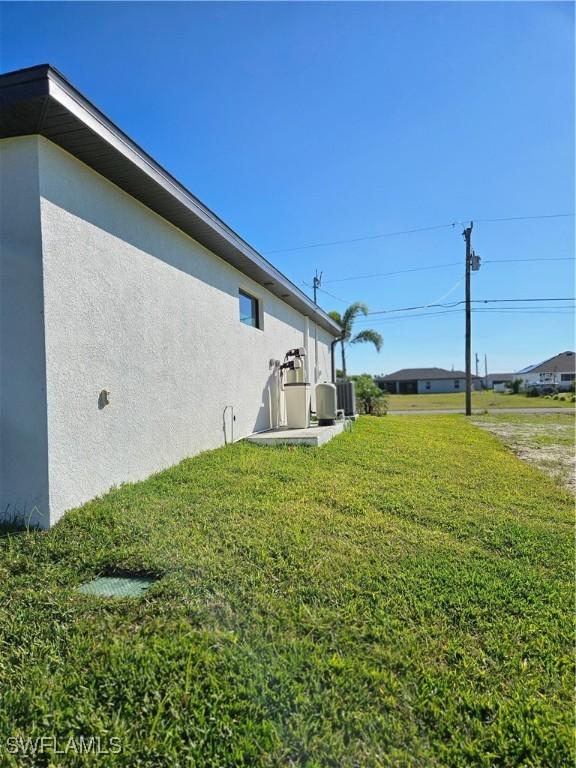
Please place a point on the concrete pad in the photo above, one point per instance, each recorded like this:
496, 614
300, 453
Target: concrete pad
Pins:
283, 436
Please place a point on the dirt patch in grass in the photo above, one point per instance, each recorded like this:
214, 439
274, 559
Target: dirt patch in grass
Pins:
545, 440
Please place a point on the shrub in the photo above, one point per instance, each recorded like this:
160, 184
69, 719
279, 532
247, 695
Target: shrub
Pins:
370, 399
515, 386
532, 392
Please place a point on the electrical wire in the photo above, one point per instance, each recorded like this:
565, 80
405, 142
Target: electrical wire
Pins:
456, 303
551, 258
441, 266
445, 295
411, 316
336, 298
397, 272
527, 218
451, 225
415, 315
360, 239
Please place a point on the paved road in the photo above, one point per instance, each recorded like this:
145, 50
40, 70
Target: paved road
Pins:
479, 411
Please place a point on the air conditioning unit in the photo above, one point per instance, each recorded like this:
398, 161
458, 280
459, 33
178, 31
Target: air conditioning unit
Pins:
346, 397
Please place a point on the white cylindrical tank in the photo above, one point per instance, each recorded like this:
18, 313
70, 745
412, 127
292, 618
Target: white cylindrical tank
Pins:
326, 403
297, 399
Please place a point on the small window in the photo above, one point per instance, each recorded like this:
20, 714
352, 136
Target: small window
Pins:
567, 377
249, 310
427, 385
456, 383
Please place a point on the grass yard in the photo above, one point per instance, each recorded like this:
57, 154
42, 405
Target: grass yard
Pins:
546, 440
399, 597
486, 399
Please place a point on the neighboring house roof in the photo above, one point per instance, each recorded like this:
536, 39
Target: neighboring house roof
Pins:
39, 100
565, 362
412, 374
500, 377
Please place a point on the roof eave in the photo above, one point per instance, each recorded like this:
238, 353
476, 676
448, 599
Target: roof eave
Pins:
49, 90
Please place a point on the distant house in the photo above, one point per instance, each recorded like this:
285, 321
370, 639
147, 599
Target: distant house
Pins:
558, 371
421, 381
499, 380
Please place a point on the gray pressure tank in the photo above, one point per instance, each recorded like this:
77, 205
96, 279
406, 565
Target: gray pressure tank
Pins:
325, 403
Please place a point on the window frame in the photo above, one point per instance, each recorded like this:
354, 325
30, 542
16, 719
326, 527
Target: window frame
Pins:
456, 383
256, 315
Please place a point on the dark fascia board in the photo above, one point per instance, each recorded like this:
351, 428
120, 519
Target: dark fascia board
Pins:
45, 88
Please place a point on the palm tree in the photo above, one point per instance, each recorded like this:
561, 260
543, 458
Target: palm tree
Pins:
346, 321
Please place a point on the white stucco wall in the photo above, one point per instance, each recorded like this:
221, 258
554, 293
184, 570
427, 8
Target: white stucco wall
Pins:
553, 378
134, 306
23, 428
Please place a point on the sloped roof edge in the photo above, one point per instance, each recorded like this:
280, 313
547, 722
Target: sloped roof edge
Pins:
40, 100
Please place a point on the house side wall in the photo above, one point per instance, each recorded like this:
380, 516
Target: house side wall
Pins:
324, 363
24, 493
441, 386
137, 308
553, 378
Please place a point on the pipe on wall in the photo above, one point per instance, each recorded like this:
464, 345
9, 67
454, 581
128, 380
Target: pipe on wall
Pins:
307, 346
232, 420
333, 358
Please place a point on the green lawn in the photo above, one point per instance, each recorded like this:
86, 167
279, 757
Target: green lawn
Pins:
399, 597
486, 399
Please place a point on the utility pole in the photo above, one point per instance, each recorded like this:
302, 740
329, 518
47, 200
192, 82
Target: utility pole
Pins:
477, 359
467, 235
486, 370
316, 283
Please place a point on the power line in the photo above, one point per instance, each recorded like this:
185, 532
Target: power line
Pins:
551, 258
397, 272
452, 224
456, 303
493, 301
519, 311
527, 218
567, 311
557, 308
323, 290
360, 239
423, 269
411, 316
441, 266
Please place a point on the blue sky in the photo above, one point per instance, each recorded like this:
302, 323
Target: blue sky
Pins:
304, 123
